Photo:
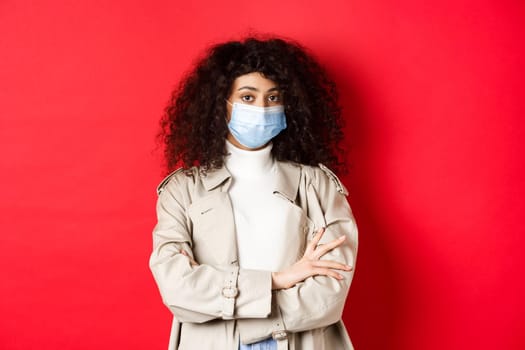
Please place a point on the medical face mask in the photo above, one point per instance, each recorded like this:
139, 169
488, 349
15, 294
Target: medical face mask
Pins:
255, 126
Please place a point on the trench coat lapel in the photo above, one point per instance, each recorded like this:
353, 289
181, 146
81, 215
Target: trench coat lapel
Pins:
215, 216
288, 178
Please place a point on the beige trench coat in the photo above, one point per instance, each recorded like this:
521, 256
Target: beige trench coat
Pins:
216, 304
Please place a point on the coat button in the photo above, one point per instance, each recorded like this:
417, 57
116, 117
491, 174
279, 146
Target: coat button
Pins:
279, 335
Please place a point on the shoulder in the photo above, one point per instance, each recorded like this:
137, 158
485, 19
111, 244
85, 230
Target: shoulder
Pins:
180, 177
321, 175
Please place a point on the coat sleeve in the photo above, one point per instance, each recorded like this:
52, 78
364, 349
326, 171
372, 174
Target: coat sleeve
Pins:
318, 301
199, 293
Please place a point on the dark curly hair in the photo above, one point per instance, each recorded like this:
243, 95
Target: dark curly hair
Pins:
194, 126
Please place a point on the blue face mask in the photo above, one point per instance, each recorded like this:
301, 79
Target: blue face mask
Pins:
255, 126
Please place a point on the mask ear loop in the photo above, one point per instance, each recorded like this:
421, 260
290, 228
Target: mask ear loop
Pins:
231, 113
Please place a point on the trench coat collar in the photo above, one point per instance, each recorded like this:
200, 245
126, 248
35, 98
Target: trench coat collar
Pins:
288, 177
216, 177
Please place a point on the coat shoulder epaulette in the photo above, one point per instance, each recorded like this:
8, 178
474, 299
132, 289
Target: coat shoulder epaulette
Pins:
165, 181
338, 184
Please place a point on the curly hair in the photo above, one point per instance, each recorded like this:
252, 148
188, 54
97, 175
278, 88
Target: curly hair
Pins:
194, 126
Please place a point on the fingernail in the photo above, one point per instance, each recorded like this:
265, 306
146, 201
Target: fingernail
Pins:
342, 238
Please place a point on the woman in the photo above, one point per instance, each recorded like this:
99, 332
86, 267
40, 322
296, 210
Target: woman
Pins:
255, 243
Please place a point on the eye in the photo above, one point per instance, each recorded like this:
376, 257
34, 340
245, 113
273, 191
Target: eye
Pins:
274, 98
247, 98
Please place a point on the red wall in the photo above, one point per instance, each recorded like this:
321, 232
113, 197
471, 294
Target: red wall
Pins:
433, 95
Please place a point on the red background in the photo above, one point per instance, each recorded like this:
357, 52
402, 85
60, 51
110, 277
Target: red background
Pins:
433, 97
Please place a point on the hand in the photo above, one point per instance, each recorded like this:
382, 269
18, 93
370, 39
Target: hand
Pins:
310, 265
193, 263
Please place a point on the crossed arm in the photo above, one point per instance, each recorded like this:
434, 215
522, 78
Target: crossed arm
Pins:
309, 265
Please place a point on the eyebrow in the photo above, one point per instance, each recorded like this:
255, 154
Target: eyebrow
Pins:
255, 89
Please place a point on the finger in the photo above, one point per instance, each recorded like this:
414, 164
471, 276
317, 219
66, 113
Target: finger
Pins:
331, 264
313, 243
327, 272
325, 248
192, 262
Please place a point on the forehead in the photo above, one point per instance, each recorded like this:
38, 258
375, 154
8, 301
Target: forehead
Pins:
255, 80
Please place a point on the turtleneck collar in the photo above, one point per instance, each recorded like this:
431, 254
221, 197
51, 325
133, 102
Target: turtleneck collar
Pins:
243, 163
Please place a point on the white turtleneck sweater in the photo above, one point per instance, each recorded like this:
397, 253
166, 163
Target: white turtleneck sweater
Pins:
259, 214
